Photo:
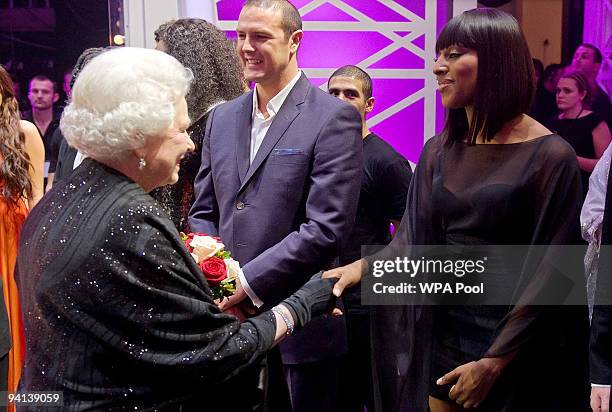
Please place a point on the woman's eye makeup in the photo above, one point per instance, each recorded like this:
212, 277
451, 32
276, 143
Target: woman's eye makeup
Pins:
452, 54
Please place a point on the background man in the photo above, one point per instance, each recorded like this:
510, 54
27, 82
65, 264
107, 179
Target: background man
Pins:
384, 187
587, 60
43, 95
279, 183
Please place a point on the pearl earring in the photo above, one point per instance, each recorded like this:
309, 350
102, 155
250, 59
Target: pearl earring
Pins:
142, 164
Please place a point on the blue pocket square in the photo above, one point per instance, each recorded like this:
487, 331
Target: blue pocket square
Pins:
286, 152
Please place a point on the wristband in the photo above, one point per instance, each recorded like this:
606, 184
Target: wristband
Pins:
285, 318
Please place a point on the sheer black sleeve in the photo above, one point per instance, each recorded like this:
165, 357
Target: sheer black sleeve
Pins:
551, 278
401, 334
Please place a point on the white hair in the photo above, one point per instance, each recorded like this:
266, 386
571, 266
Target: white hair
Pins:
121, 98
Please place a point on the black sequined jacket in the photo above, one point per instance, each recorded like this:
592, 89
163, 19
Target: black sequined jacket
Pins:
117, 315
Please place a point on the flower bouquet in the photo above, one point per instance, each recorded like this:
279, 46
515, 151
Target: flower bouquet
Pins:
216, 263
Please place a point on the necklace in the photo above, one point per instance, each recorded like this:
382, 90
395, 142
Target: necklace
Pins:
579, 113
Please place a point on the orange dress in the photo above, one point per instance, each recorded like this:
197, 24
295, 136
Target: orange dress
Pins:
11, 220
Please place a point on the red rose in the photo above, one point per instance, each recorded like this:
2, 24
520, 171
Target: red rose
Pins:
214, 270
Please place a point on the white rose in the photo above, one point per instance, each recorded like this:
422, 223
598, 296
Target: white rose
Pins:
205, 247
233, 268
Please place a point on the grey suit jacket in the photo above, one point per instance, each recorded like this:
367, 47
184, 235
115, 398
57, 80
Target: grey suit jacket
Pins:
286, 215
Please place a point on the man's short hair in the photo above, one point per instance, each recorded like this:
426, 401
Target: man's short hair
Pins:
596, 51
292, 21
355, 72
44, 78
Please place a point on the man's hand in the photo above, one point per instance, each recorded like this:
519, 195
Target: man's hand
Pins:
473, 381
242, 311
236, 298
600, 399
348, 275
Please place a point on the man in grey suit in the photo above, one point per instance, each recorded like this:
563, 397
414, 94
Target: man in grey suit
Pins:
279, 183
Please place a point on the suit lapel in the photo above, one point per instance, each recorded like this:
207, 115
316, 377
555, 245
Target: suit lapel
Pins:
285, 116
68, 165
243, 136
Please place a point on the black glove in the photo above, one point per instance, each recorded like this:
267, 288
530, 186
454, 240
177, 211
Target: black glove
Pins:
313, 299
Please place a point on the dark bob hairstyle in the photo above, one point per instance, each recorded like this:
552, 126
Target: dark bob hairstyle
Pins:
505, 83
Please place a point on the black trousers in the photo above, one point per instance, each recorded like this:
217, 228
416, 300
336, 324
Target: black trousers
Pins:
304, 387
356, 387
313, 386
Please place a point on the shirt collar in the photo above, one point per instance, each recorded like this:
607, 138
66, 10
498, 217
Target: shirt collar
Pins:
277, 101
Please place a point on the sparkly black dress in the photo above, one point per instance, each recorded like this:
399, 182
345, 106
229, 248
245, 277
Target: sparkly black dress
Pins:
176, 199
117, 315
514, 194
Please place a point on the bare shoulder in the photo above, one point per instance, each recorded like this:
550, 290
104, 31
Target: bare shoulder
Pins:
28, 128
33, 141
535, 129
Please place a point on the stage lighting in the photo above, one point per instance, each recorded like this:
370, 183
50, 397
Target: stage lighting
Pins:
118, 39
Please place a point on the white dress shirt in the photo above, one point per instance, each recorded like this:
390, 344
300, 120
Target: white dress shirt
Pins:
260, 124
259, 127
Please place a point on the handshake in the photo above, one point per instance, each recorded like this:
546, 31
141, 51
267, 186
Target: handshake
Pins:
316, 297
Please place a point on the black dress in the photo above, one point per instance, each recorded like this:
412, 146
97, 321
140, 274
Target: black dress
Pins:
579, 134
117, 315
515, 194
176, 199
544, 105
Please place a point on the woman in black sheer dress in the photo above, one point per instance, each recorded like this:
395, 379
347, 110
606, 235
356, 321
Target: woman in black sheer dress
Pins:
117, 314
206, 51
494, 176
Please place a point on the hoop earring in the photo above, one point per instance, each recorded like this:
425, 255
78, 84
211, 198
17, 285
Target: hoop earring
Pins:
142, 164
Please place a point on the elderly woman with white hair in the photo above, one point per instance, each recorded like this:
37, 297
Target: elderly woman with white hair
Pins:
117, 314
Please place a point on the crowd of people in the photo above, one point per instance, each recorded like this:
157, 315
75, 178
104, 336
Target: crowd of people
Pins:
105, 305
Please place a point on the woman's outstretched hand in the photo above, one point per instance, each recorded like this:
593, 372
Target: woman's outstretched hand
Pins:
348, 275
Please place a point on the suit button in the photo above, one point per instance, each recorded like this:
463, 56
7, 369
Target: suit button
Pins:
239, 205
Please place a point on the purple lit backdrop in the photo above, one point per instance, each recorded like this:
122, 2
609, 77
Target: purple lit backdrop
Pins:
393, 42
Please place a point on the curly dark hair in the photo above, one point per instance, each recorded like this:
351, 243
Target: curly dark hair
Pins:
86, 57
14, 160
207, 52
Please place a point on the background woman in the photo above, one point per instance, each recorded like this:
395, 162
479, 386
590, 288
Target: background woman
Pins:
544, 107
583, 129
494, 176
212, 59
118, 315
21, 187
